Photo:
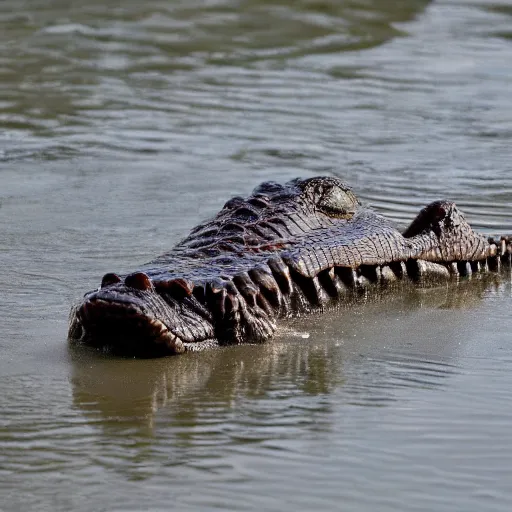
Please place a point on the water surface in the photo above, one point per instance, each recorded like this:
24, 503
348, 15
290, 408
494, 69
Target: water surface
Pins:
123, 124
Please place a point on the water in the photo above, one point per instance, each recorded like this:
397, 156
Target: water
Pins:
125, 123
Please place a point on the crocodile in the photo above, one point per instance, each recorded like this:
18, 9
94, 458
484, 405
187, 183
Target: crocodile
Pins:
285, 250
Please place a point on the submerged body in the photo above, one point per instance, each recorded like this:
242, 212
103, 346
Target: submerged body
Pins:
284, 250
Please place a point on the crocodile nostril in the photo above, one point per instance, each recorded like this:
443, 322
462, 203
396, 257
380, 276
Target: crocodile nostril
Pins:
139, 281
109, 279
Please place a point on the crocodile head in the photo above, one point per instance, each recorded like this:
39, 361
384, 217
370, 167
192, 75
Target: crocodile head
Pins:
172, 301
259, 258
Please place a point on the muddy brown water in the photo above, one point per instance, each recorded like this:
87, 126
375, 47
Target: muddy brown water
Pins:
123, 124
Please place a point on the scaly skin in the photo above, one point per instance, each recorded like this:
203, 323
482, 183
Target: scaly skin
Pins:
283, 251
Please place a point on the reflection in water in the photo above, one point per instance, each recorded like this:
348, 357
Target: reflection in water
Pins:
342, 354
189, 412
214, 380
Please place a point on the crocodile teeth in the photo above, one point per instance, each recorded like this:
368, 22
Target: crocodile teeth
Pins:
165, 336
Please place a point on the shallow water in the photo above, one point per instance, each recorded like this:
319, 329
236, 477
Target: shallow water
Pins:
123, 125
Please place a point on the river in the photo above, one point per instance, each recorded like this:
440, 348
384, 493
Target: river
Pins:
125, 123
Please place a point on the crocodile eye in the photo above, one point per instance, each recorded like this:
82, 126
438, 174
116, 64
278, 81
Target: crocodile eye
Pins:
337, 202
329, 195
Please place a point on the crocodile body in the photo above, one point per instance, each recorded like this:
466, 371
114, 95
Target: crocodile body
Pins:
283, 251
